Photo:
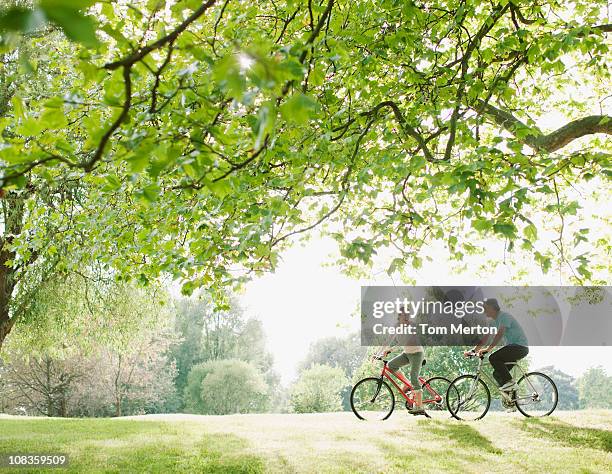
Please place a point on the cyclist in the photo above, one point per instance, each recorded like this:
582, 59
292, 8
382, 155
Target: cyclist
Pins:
514, 349
414, 356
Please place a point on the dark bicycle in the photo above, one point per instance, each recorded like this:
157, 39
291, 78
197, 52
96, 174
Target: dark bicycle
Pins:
468, 397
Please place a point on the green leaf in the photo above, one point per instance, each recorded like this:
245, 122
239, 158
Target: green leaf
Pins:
54, 118
151, 192
21, 19
18, 108
219, 188
299, 108
76, 26
227, 72
482, 224
112, 183
505, 229
531, 232
30, 127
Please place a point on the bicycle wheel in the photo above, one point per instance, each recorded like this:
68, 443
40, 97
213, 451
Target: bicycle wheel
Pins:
372, 399
468, 398
536, 395
434, 393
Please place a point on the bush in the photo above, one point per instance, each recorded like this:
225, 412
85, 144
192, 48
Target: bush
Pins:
318, 390
222, 387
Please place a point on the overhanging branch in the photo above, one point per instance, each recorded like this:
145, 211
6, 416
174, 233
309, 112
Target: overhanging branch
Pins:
550, 142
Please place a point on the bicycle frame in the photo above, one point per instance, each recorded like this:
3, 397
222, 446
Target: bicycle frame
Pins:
389, 374
489, 381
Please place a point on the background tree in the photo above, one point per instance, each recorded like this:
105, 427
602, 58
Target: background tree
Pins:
221, 387
345, 353
40, 385
318, 389
139, 378
566, 385
208, 333
594, 387
92, 348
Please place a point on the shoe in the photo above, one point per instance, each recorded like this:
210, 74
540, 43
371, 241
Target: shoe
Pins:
506, 403
511, 409
508, 386
417, 411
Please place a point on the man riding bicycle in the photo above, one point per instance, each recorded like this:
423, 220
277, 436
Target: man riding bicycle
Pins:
514, 349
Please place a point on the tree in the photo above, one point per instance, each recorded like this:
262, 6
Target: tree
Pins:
398, 125
188, 325
221, 387
92, 349
141, 376
318, 390
40, 385
566, 385
208, 333
345, 353
595, 387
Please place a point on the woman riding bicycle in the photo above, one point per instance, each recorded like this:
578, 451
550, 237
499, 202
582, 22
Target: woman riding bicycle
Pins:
514, 349
414, 356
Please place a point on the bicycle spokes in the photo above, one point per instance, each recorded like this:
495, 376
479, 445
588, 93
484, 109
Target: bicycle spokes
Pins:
468, 398
372, 399
536, 395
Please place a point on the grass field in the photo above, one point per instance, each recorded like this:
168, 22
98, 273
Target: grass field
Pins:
333, 442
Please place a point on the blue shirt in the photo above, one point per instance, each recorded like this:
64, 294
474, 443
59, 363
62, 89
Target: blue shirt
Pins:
513, 333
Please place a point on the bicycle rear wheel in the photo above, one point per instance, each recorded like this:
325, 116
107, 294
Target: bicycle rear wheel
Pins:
372, 399
434, 393
468, 398
536, 395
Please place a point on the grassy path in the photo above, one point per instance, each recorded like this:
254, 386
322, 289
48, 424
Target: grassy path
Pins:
333, 442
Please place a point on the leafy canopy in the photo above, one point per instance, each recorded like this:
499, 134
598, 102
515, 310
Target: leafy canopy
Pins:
211, 133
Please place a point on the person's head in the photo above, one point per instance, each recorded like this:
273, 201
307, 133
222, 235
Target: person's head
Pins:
491, 308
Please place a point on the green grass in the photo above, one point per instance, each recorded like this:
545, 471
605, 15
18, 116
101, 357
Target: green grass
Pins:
335, 442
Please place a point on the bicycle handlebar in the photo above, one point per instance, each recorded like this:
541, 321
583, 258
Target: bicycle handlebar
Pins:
473, 354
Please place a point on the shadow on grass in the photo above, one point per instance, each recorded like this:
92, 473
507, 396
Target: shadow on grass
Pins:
397, 458
567, 434
464, 435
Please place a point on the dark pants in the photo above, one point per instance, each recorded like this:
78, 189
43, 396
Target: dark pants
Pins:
498, 359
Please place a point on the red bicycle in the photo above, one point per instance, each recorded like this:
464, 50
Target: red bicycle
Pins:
372, 398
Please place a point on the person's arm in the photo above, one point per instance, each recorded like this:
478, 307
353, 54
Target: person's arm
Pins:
477, 347
494, 342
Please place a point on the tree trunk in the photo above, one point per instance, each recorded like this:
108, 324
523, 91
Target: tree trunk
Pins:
118, 405
5, 326
63, 405
48, 389
12, 207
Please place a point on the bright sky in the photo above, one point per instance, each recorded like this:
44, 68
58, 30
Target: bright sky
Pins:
307, 299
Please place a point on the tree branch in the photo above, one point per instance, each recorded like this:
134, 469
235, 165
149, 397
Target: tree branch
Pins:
553, 141
172, 36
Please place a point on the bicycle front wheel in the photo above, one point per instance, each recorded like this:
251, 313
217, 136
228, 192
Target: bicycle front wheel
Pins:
372, 399
536, 395
468, 398
434, 393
